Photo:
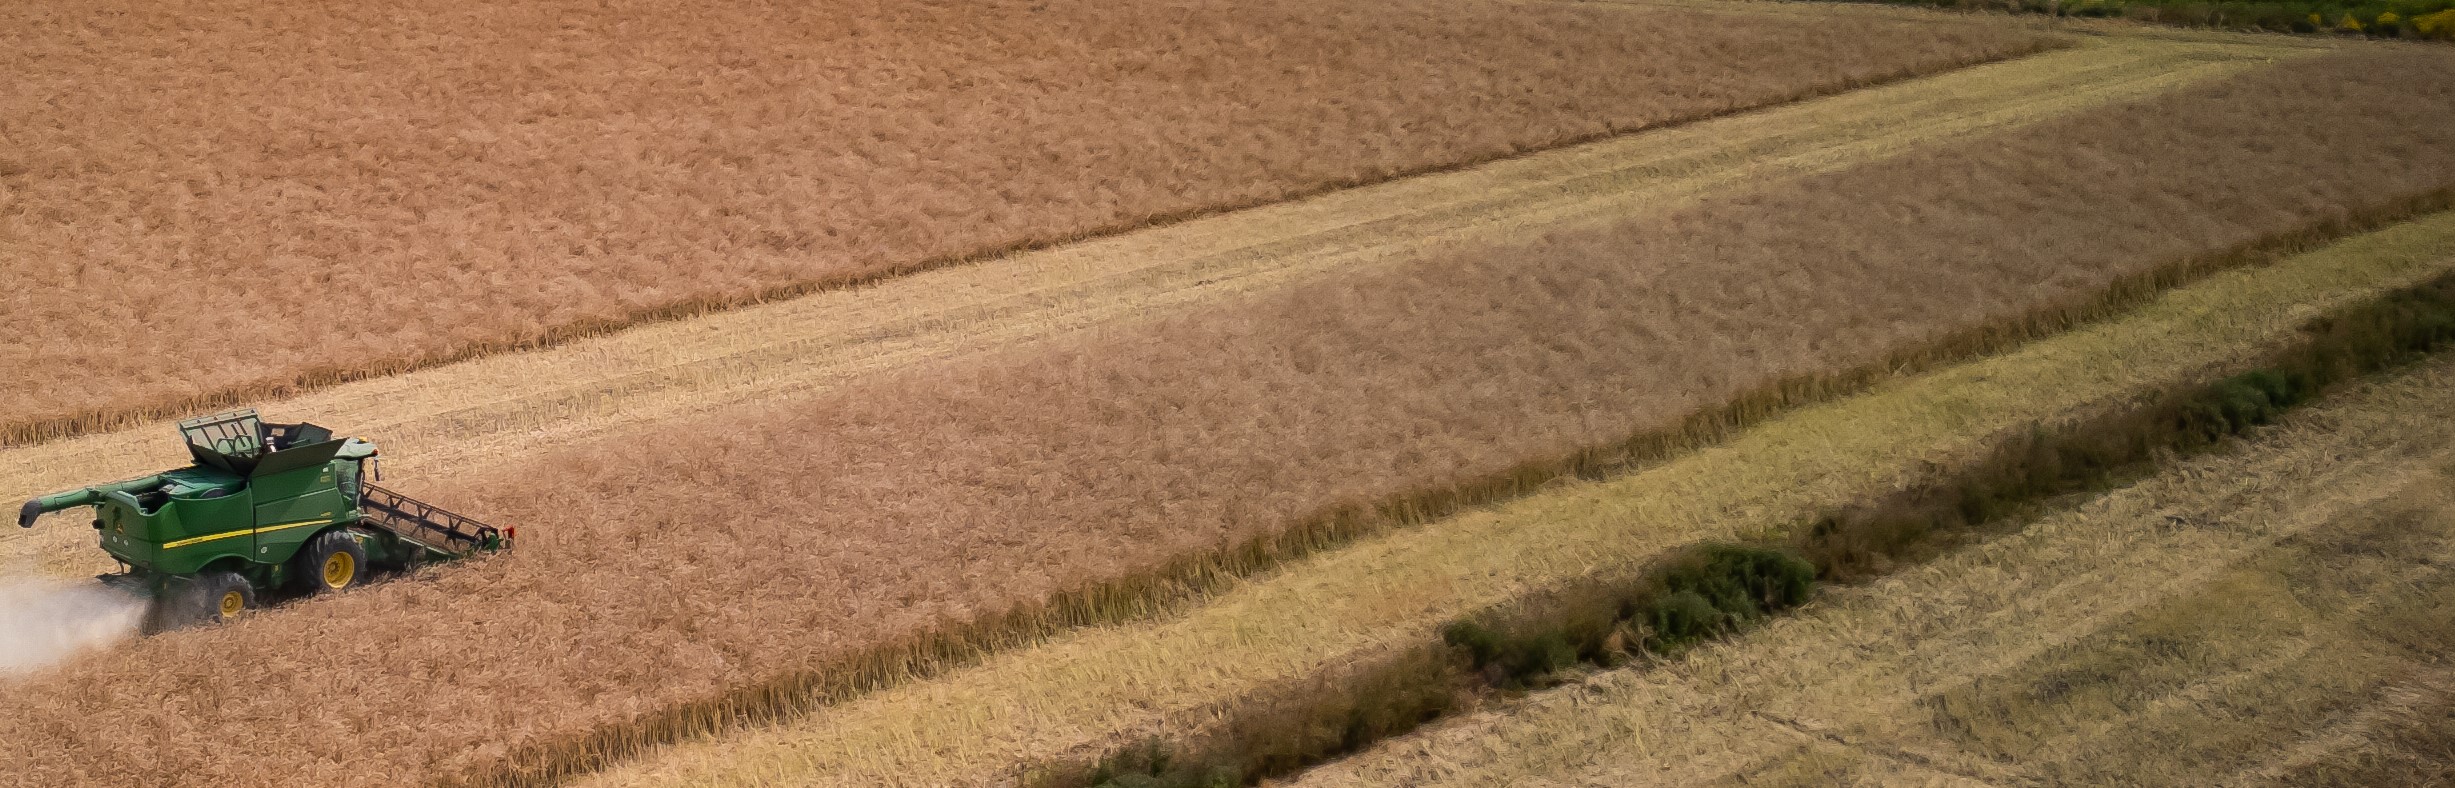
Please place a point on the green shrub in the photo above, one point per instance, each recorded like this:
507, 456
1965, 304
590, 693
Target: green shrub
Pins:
1482, 645
1682, 617
1512, 661
1705, 592
1746, 582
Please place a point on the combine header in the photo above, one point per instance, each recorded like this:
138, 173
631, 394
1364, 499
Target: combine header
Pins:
267, 509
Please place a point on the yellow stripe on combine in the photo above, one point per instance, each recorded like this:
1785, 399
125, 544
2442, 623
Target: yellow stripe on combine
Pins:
202, 539
285, 526
266, 529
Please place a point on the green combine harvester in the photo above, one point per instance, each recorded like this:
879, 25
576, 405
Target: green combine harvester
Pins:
268, 509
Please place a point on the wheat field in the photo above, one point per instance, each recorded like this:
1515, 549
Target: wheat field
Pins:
757, 541
204, 201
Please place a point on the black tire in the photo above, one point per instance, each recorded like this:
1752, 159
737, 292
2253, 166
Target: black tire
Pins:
207, 598
332, 561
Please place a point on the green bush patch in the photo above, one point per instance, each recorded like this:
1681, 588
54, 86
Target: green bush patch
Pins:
2428, 20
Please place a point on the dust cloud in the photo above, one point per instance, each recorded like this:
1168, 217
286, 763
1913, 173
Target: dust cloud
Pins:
43, 621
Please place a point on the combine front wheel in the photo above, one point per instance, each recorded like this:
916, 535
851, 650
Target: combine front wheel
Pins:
332, 561
207, 598
226, 595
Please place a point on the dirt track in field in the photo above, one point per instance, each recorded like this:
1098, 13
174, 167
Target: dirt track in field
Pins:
477, 417
2224, 622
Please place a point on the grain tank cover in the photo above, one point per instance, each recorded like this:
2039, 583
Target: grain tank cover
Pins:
230, 441
296, 457
239, 442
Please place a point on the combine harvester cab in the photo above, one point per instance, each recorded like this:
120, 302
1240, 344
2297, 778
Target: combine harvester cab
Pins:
266, 510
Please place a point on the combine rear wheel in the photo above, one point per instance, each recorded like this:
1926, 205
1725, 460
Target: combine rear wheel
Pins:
332, 561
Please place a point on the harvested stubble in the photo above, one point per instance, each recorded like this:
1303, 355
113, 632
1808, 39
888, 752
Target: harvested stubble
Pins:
2406, 738
756, 547
204, 201
2200, 627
